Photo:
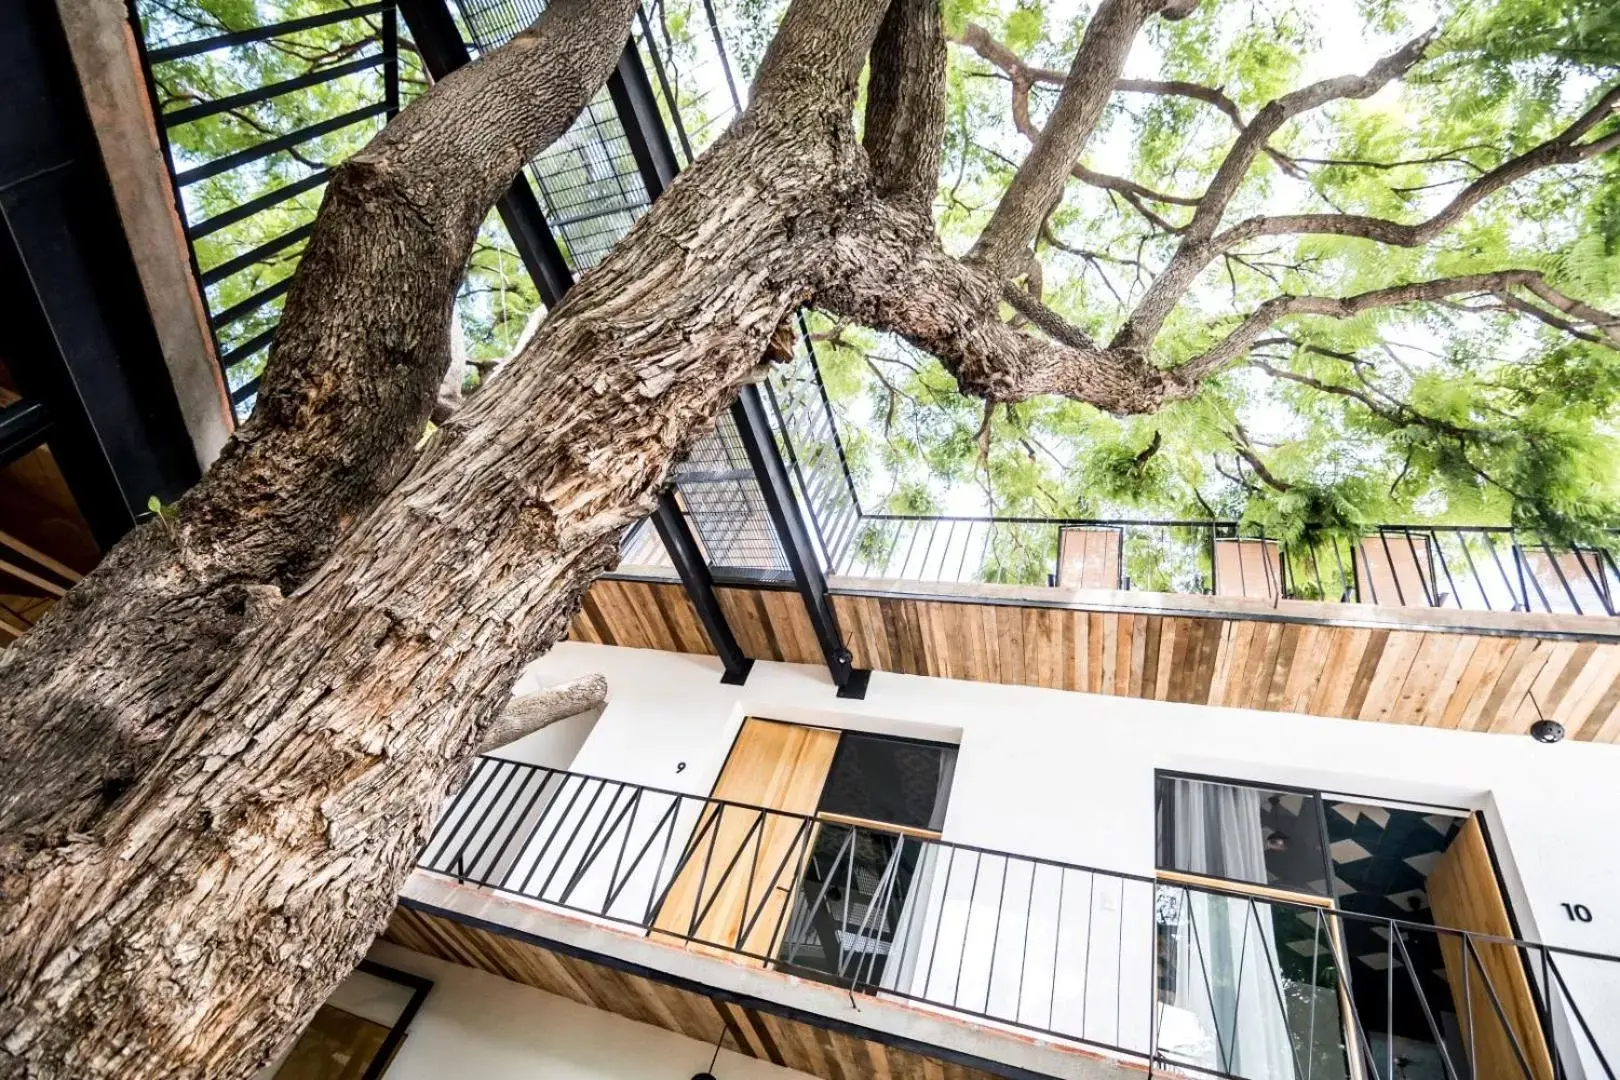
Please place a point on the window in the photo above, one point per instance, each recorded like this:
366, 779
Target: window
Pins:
355, 1034
1236, 832
895, 781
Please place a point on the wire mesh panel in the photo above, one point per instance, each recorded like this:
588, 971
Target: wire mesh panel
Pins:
682, 48
815, 454
721, 497
587, 180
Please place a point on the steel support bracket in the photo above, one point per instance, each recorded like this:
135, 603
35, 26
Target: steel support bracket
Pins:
754, 429
683, 552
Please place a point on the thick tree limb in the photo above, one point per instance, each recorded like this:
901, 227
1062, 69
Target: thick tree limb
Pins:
1196, 250
359, 353
1501, 282
886, 270
1039, 181
247, 870
527, 713
905, 101
1563, 149
1024, 76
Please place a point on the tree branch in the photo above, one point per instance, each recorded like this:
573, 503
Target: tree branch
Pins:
886, 270
1498, 283
1039, 181
978, 39
1563, 149
1245, 450
527, 713
905, 101
1196, 250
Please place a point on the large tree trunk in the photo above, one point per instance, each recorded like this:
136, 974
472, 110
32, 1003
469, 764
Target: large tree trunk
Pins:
247, 870
92, 693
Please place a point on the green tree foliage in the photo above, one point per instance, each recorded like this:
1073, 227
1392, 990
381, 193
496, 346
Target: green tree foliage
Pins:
1465, 411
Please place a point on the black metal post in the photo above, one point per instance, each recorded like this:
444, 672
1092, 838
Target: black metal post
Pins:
644, 129
443, 51
23, 427
754, 429
390, 51
683, 552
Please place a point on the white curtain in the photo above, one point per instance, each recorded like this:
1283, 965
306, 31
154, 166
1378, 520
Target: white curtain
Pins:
1225, 1011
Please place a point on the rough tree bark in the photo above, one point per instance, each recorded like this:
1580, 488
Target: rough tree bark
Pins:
528, 713
361, 348
245, 871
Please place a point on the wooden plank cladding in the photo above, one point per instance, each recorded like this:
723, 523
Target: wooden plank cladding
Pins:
770, 624
782, 1040
1436, 679
1469, 671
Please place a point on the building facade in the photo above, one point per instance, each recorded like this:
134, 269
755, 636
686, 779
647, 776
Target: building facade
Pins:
864, 801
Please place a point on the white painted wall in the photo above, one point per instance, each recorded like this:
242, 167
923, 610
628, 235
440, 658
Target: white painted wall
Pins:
1069, 777
477, 1025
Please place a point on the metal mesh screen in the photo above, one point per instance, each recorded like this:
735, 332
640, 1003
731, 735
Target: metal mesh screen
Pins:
587, 180
721, 497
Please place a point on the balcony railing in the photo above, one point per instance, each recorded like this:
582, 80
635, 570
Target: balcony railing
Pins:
1172, 972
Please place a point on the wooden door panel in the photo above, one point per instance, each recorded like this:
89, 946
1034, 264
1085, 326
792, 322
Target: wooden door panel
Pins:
739, 872
1464, 895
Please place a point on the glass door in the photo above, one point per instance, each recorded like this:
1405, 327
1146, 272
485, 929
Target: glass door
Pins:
867, 872
1250, 955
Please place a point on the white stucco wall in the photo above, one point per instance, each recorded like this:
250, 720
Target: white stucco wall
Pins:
477, 1025
1069, 777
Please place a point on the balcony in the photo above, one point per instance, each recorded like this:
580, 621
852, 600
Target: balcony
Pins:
1169, 971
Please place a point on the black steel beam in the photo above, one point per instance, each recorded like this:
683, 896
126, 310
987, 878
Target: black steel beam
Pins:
694, 572
23, 427
442, 50
644, 129
263, 33
754, 429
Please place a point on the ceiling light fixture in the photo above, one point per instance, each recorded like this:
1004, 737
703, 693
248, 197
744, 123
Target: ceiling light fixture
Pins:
1544, 730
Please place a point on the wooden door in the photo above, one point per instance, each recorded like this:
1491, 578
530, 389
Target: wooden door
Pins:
1464, 895
741, 866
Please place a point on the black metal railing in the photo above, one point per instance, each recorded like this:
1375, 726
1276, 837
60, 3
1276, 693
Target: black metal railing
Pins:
1167, 971
1463, 567
254, 119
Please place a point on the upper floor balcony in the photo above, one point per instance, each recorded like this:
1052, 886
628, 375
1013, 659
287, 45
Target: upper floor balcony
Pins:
1459, 627
1229, 961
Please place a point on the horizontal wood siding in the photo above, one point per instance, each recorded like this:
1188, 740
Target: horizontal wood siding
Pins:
833, 1055
1431, 678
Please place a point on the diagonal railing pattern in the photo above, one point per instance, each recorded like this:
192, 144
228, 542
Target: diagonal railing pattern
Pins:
1188, 975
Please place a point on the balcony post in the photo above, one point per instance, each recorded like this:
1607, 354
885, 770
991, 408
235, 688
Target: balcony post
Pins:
683, 552
754, 429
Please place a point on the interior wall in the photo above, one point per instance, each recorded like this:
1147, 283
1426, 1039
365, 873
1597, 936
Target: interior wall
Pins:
474, 1024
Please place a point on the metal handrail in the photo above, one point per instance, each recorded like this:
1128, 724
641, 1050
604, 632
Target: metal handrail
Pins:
889, 913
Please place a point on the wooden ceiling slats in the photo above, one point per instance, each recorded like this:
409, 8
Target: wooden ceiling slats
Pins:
1428, 676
